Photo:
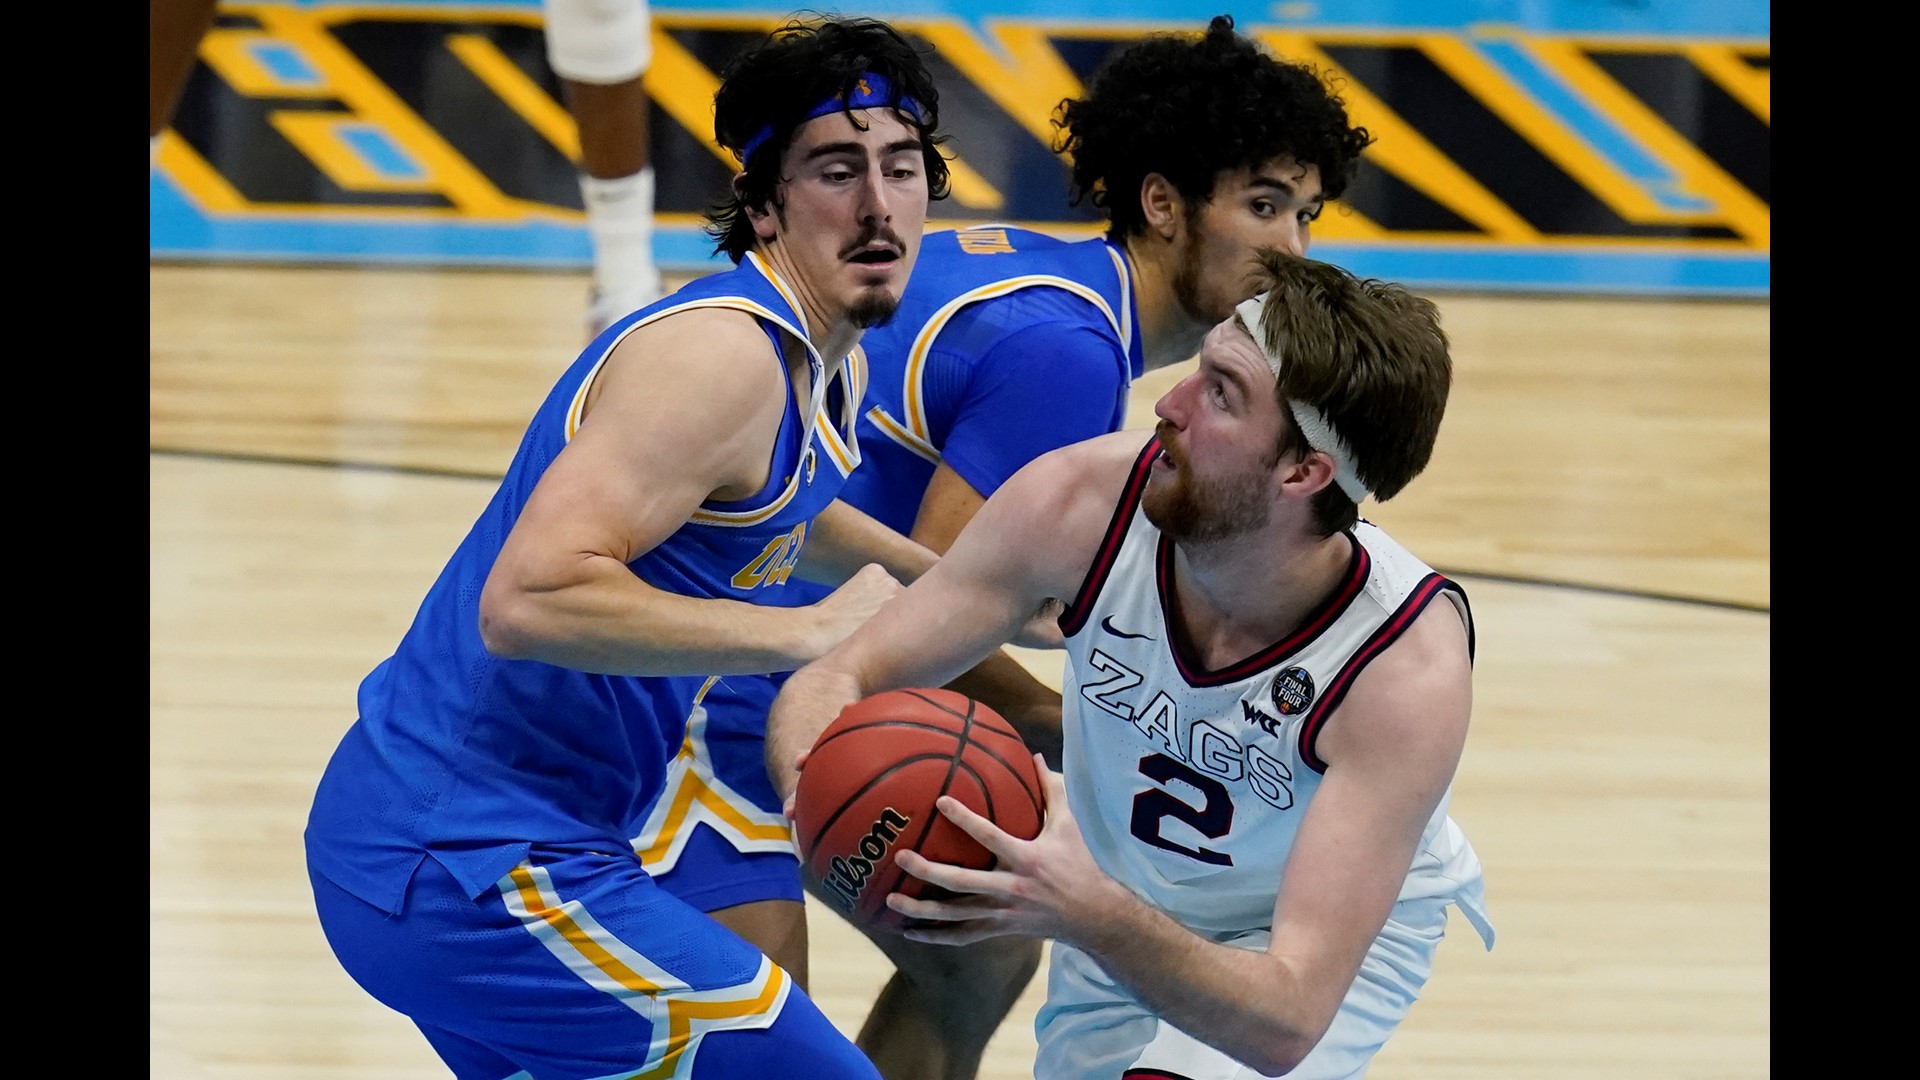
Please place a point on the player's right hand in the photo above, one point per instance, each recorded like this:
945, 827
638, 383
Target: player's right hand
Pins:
1047, 887
786, 805
842, 611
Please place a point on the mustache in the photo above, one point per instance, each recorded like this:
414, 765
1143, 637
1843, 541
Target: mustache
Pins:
879, 232
1164, 432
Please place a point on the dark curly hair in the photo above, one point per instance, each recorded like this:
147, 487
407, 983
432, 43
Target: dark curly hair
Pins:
776, 83
1191, 107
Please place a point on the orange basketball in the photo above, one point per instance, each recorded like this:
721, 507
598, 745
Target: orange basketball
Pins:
870, 783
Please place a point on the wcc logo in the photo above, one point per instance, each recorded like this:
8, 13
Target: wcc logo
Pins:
1268, 724
1292, 691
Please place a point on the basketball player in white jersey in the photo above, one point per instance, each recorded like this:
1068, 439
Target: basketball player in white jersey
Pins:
1247, 861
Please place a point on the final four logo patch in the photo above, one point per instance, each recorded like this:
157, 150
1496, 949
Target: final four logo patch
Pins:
1292, 691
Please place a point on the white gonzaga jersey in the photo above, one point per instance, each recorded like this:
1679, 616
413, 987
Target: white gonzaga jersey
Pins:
1188, 784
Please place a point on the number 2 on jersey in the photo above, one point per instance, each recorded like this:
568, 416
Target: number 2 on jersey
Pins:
1150, 808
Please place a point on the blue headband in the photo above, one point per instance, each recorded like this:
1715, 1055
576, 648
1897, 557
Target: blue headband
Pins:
870, 91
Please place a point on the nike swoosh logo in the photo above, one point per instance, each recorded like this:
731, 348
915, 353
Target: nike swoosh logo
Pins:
1107, 625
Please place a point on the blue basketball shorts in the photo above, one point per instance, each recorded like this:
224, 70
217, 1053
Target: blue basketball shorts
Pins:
577, 965
716, 837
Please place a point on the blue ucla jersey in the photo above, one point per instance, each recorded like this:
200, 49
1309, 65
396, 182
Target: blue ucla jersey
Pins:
467, 757
937, 381
1007, 343
921, 362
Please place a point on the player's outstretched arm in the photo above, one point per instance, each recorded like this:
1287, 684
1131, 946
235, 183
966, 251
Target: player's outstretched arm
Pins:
1029, 546
845, 538
1391, 751
684, 410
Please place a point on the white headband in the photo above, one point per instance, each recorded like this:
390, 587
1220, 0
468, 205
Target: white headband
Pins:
1313, 423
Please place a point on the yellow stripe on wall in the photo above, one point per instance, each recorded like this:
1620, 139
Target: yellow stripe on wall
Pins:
1579, 160
198, 179
1405, 152
372, 101
230, 54
524, 96
684, 87
1737, 206
1750, 86
317, 135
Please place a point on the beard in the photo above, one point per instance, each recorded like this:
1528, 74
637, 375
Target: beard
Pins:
875, 307
1186, 283
1196, 511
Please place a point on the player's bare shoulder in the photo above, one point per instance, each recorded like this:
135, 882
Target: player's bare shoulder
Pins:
1055, 510
1413, 701
1095, 469
698, 394
703, 354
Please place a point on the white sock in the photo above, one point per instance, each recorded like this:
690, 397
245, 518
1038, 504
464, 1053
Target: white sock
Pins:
620, 223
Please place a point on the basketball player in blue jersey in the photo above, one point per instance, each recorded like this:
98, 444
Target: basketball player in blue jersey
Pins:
1010, 343
468, 842
1248, 860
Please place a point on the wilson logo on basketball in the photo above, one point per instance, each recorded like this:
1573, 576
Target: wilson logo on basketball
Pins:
847, 876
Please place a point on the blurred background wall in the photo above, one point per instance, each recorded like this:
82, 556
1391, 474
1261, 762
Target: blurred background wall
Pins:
1560, 146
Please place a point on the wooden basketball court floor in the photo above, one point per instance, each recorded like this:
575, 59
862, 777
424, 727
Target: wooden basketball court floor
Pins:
322, 437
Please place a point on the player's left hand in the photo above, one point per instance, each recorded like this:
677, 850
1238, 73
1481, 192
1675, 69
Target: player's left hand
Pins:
787, 804
1038, 888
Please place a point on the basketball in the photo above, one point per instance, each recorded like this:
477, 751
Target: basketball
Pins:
869, 787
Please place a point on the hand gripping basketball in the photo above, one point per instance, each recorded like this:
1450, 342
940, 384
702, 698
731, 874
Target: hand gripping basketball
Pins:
871, 781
